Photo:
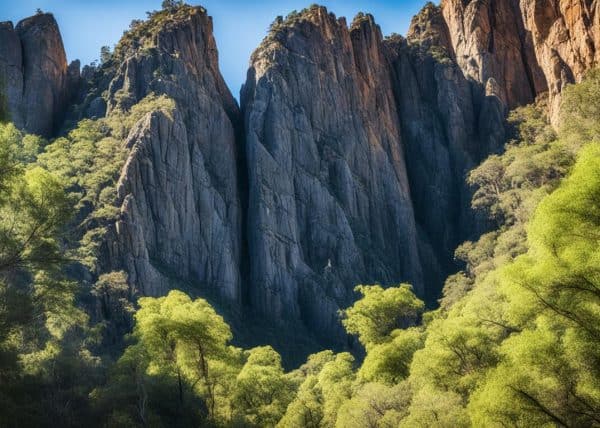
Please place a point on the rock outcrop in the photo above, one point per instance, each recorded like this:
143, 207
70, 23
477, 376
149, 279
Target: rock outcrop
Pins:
345, 165
329, 199
181, 217
490, 42
566, 36
33, 74
528, 47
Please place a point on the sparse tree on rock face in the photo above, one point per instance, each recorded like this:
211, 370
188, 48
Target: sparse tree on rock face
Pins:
105, 54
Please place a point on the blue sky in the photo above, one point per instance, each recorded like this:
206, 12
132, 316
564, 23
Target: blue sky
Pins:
239, 25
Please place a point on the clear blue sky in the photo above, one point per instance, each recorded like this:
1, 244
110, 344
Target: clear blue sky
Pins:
239, 25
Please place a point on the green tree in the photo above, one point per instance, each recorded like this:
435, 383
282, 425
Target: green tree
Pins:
380, 311
262, 391
389, 362
322, 393
375, 405
105, 54
547, 374
186, 340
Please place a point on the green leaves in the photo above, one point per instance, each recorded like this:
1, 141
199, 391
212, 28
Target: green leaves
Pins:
34, 207
380, 311
262, 391
186, 340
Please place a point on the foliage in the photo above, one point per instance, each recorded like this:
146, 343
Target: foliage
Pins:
380, 311
262, 391
43, 334
141, 33
515, 339
89, 160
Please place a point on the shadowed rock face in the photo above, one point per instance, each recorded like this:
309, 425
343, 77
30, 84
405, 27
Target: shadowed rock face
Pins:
329, 199
11, 75
33, 73
448, 125
357, 153
180, 213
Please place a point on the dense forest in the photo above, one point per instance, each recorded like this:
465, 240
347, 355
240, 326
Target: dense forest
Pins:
513, 340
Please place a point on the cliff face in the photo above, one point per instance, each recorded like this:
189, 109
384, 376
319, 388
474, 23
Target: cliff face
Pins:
491, 42
345, 165
180, 205
329, 199
33, 73
528, 47
566, 36
449, 124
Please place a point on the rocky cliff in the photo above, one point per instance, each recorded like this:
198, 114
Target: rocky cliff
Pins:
329, 197
449, 124
490, 42
33, 74
345, 163
181, 218
528, 47
566, 37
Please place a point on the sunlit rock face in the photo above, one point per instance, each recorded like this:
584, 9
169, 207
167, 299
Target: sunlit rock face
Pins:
181, 219
566, 37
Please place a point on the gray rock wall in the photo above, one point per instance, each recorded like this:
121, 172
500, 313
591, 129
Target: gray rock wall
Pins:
180, 205
329, 199
33, 73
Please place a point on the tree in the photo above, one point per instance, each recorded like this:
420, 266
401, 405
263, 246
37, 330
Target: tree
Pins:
43, 334
375, 405
546, 375
389, 362
36, 209
105, 54
262, 391
171, 4
322, 393
185, 340
380, 311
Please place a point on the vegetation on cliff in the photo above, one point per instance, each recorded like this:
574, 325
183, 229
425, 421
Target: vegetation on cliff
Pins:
514, 342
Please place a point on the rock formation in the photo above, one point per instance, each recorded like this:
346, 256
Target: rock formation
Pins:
346, 163
180, 205
449, 124
491, 43
33, 73
528, 47
329, 198
566, 36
